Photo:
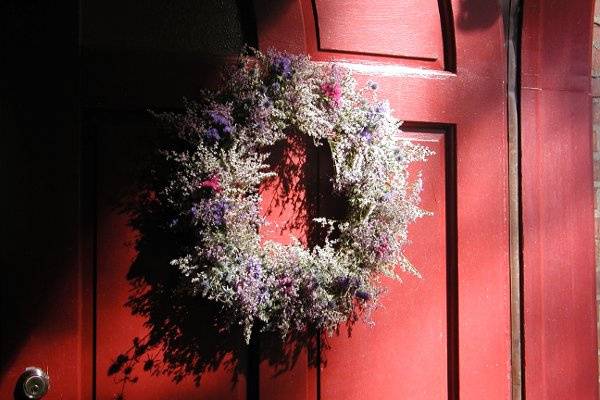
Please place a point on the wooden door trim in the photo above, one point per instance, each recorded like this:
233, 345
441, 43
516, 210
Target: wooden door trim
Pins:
559, 309
512, 25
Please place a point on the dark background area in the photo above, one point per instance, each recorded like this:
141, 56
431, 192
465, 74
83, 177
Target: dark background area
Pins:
70, 69
40, 136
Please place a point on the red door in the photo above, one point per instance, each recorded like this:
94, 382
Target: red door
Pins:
442, 66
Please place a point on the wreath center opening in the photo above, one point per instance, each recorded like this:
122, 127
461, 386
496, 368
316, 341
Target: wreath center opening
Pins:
300, 191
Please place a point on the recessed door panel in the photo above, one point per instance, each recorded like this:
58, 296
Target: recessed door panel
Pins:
409, 29
407, 343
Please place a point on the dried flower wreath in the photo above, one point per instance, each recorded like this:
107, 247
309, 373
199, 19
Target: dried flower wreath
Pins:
211, 196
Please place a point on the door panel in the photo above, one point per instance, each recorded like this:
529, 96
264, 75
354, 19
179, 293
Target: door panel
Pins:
349, 27
409, 33
407, 345
120, 143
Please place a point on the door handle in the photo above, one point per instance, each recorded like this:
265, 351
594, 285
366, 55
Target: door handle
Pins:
34, 383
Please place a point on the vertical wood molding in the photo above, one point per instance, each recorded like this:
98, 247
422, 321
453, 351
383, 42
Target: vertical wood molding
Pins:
512, 19
559, 313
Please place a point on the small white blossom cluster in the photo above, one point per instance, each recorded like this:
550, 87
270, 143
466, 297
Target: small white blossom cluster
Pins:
208, 196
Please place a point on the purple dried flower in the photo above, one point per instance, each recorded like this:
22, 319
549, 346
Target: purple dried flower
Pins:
212, 135
248, 298
266, 102
222, 125
213, 254
378, 112
342, 282
264, 294
381, 108
219, 119
345, 282
362, 294
213, 212
254, 268
219, 211
282, 65
389, 196
250, 286
366, 135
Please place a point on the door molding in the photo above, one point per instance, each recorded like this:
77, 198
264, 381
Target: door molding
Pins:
558, 276
511, 10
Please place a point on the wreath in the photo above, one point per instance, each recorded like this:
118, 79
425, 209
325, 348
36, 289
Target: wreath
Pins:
207, 194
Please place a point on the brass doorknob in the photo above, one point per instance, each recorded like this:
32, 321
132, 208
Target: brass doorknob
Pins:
34, 383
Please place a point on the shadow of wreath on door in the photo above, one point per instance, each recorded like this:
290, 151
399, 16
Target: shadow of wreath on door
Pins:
186, 335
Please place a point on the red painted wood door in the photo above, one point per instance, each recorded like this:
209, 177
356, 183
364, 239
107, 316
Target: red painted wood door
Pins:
442, 66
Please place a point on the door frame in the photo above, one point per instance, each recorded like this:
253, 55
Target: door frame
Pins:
557, 287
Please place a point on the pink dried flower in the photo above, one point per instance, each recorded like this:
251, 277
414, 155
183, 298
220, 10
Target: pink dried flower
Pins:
214, 183
382, 249
333, 91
